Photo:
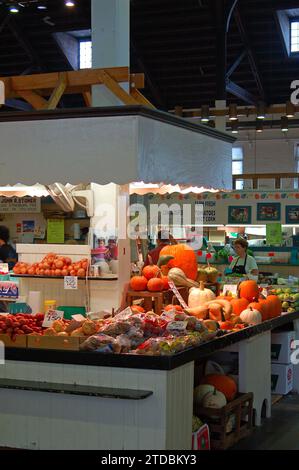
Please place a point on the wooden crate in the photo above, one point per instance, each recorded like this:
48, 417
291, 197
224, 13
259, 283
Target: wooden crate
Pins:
240, 410
70, 343
19, 342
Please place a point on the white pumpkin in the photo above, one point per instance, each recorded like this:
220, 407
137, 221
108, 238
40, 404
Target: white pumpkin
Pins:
214, 399
251, 316
199, 296
201, 391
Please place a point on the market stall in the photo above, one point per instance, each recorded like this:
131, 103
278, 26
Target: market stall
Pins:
121, 375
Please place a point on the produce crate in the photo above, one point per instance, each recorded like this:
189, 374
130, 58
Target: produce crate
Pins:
230, 424
19, 342
70, 343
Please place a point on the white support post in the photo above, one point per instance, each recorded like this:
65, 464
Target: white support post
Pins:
110, 43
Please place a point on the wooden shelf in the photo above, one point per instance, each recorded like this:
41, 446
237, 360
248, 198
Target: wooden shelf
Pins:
89, 278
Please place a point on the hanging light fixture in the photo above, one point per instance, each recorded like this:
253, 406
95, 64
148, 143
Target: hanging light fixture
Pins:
284, 124
259, 126
205, 113
290, 110
235, 126
261, 110
69, 4
233, 112
14, 9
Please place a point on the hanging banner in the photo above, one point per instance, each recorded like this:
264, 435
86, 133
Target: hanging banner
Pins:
19, 205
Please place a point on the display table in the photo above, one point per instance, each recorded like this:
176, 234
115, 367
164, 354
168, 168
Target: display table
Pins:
158, 416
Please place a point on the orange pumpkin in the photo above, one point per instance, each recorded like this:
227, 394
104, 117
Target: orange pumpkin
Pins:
170, 307
151, 271
165, 282
239, 305
263, 301
215, 312
138, 283
155, 285
249, 290
137, 309
223, 384
261, 307
183, 258
225, 297
274, 306
227, 325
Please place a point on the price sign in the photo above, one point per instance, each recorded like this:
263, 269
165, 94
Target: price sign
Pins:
70, 282
51, 316
177, 294
78, 317
4, 268
232, 288
177, 326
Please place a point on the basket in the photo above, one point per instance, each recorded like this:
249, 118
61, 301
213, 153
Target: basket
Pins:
230, 424
69, 311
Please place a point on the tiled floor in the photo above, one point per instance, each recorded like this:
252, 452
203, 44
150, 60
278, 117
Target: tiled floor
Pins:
280, 432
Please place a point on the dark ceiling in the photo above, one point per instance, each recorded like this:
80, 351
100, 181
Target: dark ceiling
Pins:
173, 42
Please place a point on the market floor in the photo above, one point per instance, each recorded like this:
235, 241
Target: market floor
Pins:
280, 432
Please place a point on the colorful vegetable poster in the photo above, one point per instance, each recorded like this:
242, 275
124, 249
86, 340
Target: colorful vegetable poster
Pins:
55, 231
273, 234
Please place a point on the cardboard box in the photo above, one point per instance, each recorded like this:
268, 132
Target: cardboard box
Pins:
281, 378
201, 439
19, 342
281, 347
70, 343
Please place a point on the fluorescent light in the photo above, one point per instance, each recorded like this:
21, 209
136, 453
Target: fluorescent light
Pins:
261, 110
290, 110
234, 125
41, 7
233, 112
14, 9
205, 113
69, 4
284, 124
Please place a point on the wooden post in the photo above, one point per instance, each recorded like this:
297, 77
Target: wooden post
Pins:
58, 91
36, 101
115, 88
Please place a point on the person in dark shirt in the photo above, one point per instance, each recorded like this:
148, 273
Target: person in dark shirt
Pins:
164, 238
7, 252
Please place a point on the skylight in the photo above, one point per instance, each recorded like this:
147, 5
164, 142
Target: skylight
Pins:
85, 54
294, 36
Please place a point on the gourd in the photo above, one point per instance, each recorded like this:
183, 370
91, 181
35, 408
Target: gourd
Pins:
222, 383
200, 391
183, 258
238, 305
178, 276
200, 312
249, 290
202, 275
214, 399
250, 316
216, 312
138, 283
155, 285
199, 296
212, 274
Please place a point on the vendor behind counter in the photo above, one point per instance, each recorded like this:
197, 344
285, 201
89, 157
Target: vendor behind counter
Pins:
243, 263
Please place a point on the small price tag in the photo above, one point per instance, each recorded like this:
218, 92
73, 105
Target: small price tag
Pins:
177, 294
78, 317
177, 326
232, 288
4, 268
70, 282
51, 316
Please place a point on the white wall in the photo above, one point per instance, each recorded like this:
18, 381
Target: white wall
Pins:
269, 152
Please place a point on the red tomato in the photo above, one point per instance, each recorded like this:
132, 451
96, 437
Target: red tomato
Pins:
84, 265
31, 271
64, 272
67, 261
47, 272
81, 272
57, 272
46, 265
73, 273
59, 264
24, 270
41, 272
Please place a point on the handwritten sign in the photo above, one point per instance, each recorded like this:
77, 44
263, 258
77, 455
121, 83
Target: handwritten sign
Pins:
78, 317
177, 294
232, 288
273, 234
55, 231
70, 283
4, 268
18, 205
51, 316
